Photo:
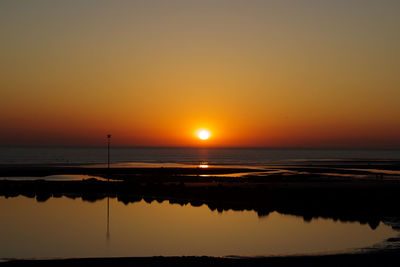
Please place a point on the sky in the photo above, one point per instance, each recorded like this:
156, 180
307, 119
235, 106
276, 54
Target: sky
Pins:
254, 73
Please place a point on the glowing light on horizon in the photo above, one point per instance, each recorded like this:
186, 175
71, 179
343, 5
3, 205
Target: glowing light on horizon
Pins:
204, 135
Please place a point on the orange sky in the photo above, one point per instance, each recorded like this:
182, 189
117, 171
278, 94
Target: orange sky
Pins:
255, 73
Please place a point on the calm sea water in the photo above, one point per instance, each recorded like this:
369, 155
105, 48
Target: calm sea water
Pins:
217, 156
63, 227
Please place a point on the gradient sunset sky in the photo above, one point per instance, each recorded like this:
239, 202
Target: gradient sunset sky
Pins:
255, 73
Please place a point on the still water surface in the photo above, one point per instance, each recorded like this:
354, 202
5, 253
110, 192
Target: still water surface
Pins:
63, 227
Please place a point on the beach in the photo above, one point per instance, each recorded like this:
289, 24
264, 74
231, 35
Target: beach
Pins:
364, 194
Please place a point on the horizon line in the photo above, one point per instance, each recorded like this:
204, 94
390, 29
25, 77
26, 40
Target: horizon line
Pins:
199, 147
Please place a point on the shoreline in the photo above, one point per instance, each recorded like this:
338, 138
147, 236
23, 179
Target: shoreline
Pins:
382, 258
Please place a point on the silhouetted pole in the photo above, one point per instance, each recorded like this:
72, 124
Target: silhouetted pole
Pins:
108, 155
108, 147
108, 181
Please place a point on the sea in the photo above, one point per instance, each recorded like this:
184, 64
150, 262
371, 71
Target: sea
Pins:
161, 156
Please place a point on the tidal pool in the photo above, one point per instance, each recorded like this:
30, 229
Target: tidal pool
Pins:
63, 227
63, 177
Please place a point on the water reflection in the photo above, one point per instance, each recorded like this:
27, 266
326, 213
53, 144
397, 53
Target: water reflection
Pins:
352, 214
108, 219
62, 227
63, 177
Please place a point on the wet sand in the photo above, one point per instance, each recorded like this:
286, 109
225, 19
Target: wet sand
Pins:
46, 170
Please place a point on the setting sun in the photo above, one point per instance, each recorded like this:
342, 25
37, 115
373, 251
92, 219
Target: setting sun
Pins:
204, 134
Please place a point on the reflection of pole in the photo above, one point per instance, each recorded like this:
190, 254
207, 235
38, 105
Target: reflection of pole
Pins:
108, 218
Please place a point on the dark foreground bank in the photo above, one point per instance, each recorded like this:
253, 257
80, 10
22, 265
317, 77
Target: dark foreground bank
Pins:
386, 258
